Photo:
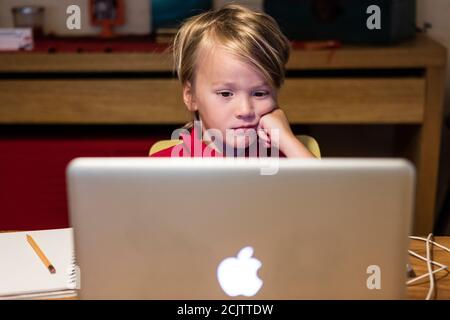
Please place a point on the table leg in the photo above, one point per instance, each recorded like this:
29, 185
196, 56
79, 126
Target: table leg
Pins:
428, 151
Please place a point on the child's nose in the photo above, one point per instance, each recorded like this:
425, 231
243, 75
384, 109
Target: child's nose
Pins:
245, 109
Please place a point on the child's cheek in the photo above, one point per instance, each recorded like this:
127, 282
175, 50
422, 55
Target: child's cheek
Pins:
266, 107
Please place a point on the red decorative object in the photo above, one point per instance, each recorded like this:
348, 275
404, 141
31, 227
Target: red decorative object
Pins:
108, 14
97, 45
33, 192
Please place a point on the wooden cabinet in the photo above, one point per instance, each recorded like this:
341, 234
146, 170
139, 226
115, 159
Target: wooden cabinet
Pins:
401, 84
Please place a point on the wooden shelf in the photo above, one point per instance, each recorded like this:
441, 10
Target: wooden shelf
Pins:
145, 101
418, 53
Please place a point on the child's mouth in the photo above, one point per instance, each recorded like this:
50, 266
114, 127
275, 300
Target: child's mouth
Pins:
244, 129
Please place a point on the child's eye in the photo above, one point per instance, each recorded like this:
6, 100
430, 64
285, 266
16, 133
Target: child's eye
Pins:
260, 94
225, 94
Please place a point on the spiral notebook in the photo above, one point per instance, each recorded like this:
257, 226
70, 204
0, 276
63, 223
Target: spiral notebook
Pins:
23, 275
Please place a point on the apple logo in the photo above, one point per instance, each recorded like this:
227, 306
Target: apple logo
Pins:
238, 276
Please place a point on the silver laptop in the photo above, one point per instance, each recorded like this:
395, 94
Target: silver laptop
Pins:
192, 228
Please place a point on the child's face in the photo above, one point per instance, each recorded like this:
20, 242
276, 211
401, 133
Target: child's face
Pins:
229, 94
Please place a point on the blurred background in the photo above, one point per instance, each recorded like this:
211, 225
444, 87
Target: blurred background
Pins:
107, 89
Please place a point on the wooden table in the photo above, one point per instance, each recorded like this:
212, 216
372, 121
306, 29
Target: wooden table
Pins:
399, 85
420, 290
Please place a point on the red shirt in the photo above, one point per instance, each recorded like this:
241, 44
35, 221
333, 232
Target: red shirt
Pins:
192, 146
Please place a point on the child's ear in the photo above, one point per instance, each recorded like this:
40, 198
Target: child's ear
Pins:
188, 97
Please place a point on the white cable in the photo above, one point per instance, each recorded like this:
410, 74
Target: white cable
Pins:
431, 272
441, 267
434, 243
430, 268
425, 259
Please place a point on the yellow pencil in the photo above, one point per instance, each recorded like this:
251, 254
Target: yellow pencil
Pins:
40, 254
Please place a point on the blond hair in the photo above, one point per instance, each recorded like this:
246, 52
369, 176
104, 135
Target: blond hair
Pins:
253, 37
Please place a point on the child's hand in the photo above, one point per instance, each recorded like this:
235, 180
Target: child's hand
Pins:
276, 119
287, 142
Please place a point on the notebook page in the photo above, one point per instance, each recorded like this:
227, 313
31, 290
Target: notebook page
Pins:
22, 271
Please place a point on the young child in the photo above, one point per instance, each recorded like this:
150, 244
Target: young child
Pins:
231, 64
